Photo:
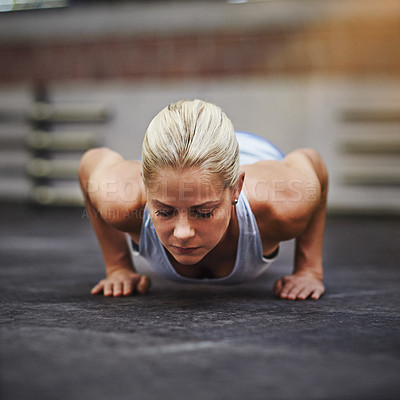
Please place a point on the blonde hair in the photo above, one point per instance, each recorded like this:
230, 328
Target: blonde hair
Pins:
191, 134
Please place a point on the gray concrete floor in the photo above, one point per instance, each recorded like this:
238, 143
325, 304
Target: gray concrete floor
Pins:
195, 342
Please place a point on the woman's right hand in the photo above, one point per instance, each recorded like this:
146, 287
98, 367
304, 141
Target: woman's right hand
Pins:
122, 282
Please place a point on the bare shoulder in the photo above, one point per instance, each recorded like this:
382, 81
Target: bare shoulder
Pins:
113, 185
284, 194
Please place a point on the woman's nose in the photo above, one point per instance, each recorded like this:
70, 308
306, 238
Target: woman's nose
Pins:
183, 229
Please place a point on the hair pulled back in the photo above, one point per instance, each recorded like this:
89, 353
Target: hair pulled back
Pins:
191, 134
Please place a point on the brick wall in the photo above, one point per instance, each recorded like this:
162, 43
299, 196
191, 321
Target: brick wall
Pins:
368, 45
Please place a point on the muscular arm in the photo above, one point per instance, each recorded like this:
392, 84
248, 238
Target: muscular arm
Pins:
306, 280
103, 179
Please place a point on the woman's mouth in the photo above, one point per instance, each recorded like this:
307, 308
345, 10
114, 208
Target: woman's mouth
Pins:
185, 250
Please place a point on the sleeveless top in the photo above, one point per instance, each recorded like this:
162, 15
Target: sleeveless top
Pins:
250, 262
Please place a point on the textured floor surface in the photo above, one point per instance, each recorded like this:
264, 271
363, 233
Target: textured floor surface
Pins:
195, 342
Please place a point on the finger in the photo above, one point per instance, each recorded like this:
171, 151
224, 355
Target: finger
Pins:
97, 289
317, 294
108, 289
144, 285
280, 284
287, 288
278, 287
294, 292
117, 289
303, 294
127, 288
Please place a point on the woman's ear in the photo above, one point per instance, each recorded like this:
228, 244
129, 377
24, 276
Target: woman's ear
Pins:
238, 187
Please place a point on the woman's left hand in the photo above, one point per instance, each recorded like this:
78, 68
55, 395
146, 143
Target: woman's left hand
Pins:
299, 286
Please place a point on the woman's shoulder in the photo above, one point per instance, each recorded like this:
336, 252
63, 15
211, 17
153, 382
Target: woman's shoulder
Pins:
261, 183
278, 196
114, 186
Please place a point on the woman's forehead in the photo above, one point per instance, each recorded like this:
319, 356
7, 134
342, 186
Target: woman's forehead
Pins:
187, 185
189, 176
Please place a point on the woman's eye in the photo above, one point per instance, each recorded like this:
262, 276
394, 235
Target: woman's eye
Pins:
199, 214
193, 213
164, 214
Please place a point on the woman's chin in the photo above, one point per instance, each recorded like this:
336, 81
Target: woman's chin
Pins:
187, 257
187, 260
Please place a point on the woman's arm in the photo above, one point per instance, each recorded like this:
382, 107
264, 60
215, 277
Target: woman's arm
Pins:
306, 280
102, 176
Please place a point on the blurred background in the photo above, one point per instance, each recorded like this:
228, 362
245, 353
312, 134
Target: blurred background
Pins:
302, 73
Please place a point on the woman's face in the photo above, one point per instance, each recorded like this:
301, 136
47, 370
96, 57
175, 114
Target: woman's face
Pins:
191, 212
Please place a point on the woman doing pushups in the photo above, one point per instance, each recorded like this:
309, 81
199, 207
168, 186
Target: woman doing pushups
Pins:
206, 205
